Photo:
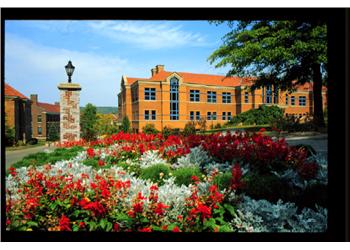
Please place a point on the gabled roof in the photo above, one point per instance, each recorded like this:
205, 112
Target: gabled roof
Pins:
50, 108
10, 91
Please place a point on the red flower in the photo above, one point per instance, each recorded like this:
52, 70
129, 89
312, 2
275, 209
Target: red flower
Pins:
308, 170
176, 229
262, 130
138, 207
12, 171
160, 208
194, 178
116, 227
82, 224
236, 176
100, 163
8, 222
90, 152
64, 223
146, 230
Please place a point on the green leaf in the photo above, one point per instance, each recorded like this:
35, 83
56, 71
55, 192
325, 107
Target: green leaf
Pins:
32, 224
230, 208
75, 228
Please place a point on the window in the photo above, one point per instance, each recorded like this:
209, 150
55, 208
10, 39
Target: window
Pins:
194, 95
286, 99
275, 95
198, 115
209, 116
211, 96
174, 99
146, 114
302, 100
214, 116
224, 115
39, 118
153, 114
150, 93
191, 115
292, 100
269, 93
229, 116
134, 94
40, 131
246, 97
226, 97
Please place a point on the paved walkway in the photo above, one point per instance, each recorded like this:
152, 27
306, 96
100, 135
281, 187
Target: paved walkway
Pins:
16, 155
318, 142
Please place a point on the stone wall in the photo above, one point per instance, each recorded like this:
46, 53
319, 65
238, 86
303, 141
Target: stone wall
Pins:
70, 112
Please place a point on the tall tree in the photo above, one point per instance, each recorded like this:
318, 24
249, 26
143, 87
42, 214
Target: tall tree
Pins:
282, 53
88, 122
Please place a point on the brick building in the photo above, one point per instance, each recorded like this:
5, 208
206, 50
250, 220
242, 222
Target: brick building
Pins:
45, 117
18, 113
174, 98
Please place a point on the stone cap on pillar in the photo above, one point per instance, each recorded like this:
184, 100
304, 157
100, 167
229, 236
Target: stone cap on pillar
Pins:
69, 86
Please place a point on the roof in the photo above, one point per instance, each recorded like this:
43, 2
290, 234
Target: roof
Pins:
10, 91
50, 108
217, 80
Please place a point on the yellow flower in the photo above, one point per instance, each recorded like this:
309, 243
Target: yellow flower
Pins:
29, 229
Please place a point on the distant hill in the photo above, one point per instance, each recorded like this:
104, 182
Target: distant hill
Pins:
104, 110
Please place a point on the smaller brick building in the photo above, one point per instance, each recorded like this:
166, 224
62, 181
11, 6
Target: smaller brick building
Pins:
18, 113
45, 118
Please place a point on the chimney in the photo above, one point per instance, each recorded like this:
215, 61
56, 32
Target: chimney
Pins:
153, 71
34, 98
57, 103
159, 68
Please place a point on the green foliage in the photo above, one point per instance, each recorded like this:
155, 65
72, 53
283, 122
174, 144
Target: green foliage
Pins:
223, 180
53, 130
268, 187
150, 129
88, 122
9, 134
42, 158
106, 124
125, 127
183, 176
284, 53
33, 141
156, 173
190, 128
292, 124
169, 131
263, 115
217, 126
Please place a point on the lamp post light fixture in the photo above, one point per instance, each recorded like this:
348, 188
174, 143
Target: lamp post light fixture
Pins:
69, 69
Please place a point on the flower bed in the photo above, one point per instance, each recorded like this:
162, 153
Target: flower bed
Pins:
146, 183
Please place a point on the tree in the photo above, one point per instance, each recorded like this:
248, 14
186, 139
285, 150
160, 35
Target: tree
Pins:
125, 127
53, 131
9, 134
106, 124
88, 122
282, 53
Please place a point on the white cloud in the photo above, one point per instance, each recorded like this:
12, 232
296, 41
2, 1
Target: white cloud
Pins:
34, 68
150, 35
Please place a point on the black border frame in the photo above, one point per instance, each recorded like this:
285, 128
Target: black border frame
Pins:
338, 216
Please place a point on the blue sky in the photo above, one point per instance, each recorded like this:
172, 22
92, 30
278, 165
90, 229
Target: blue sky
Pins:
102, 51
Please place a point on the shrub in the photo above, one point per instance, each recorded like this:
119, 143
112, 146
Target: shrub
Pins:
217, 126
33, 141
292, 124
169, 131
183, 176
88, 122
190, 128
223, 180
150, 129
156, 173
125, 127
268, 187
197, 157
263, 115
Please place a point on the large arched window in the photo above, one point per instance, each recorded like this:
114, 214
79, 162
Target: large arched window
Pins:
174, 99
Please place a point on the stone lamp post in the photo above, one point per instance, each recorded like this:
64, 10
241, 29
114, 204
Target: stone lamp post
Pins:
69, 108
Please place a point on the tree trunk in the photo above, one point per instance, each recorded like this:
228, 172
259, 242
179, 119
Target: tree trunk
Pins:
317, 93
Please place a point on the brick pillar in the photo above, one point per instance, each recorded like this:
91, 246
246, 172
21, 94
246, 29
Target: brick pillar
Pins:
69, 112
